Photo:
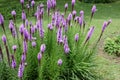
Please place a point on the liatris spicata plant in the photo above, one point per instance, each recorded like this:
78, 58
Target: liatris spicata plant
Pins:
60, 51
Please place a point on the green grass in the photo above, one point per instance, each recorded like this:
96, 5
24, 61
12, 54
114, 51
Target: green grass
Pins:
107, 68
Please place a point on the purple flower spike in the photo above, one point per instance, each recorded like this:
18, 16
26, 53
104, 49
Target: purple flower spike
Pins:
14, 47
49, 5
28, 7
32, 3
77, 37
59, 35
1, 19
13, 13
21, 29
73, 3
11, 25
65, 41
23, 57
25, 47
93, 10
39, 56
22, 1
23, 16
13, 65
69, 17
59, 62
32, 30
26, 34
42, 48
53, 2
81, 13
26, 23
76, 19
80, 21
4, 39
66, 48
74, 13
34, 44
90, 32
66, 7
104, 26
21, 70
109, 22
50, 27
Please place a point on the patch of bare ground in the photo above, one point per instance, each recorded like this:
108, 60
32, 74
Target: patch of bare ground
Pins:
102, 53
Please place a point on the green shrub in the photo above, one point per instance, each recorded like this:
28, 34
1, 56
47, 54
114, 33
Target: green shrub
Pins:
99, 1
112, 46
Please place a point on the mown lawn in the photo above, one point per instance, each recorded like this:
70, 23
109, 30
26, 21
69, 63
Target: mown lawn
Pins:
107, 68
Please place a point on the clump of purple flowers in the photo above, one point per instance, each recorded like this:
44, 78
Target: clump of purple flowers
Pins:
41, 52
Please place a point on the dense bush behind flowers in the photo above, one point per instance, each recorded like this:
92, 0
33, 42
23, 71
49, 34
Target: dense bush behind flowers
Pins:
62, 51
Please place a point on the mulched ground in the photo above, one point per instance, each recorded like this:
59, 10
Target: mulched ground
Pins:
102, 53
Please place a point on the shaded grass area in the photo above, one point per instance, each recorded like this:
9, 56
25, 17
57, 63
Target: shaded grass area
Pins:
107, 69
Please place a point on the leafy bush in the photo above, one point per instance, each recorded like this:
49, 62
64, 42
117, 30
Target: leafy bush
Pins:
112, 46
99, 1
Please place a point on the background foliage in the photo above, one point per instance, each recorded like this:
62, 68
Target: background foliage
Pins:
112, 46
99, 1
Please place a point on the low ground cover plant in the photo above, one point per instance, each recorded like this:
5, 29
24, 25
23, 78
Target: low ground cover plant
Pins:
112, 46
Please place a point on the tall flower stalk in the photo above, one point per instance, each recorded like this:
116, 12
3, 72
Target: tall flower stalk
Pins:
1, 54
6, 47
